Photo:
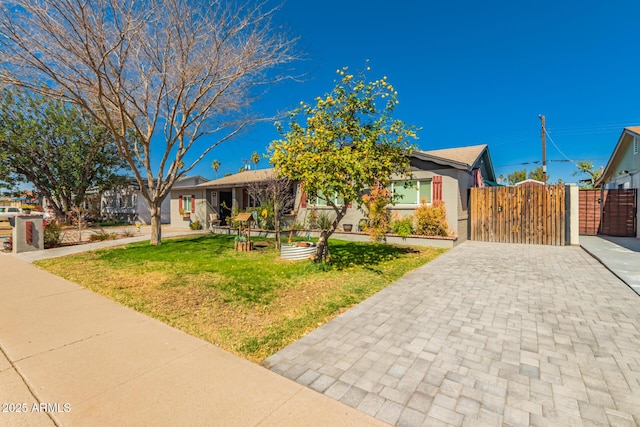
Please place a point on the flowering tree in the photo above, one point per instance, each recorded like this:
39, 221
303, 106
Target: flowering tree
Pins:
344, 143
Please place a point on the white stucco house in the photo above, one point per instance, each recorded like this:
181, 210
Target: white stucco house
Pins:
127, 204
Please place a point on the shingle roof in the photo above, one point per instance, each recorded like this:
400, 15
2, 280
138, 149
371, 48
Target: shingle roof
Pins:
634, 129
463, 155
241, 178
618, 152
461, 158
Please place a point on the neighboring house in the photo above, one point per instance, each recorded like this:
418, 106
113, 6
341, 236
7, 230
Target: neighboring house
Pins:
127, 204
529, 183
217, 197
436, 175
623, 168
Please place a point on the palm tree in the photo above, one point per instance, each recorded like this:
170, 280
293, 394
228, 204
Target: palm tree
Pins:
255, 158
216, 165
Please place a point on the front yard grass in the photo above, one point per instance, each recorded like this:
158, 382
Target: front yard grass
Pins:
252, 304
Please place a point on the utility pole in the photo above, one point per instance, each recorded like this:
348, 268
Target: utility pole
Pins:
544, 150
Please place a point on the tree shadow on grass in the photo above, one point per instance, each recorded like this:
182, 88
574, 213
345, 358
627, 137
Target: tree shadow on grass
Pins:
367, 255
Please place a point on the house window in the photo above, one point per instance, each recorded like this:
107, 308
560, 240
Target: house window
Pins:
186, 203
321, 200
635, 145
411, 192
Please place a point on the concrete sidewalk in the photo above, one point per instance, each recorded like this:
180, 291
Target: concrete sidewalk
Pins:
621, 255
71, 357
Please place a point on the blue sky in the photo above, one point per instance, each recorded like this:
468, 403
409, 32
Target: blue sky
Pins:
470, 73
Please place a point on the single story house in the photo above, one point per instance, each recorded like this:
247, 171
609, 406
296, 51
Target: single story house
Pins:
190, 203
623, 168
445, 174
126, 203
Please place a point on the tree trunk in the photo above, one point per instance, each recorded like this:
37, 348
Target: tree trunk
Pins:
156, 223
322, 250
276, 226
276, 219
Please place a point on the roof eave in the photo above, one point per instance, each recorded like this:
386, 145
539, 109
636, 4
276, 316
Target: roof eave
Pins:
607, 170
440, 160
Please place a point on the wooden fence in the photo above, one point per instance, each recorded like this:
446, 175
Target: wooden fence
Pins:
608, 212
531, 215
590, 211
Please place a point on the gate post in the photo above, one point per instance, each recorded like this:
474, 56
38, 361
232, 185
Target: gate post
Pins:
572, 214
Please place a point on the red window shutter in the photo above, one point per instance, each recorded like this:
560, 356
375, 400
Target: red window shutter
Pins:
303, 197
180, 203
193, 203
436, 189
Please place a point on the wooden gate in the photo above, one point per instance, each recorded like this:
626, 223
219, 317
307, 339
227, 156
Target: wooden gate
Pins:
532, 215
608, 212
590, 211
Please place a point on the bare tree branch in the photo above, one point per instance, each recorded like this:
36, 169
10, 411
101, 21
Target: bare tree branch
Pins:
177, 70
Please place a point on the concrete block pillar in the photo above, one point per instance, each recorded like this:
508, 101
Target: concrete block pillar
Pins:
28, 233
572, 214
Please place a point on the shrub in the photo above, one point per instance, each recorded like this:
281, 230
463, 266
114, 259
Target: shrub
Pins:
266, 216
402, 226
324, 221
52, 234
312, 220
379, 217
127, 232
112, 222
102, 236
195, 225
432, 220
232, 220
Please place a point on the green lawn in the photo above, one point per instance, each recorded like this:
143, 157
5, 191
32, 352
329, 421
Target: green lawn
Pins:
252, 304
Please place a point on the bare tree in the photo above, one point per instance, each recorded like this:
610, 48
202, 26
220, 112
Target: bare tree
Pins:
278, 194
165, 71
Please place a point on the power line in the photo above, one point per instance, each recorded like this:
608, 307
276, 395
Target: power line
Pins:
533, 162
557, 148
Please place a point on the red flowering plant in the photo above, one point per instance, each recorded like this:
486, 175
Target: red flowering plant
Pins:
378, 214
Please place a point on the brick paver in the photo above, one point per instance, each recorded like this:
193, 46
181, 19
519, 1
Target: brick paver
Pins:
486, 334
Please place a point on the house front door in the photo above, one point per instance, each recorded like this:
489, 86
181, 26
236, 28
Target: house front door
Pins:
226, 203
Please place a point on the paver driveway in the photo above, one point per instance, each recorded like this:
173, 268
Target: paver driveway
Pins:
487, 334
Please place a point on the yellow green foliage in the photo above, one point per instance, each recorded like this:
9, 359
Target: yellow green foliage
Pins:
402, 226
431, 220
344, 142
